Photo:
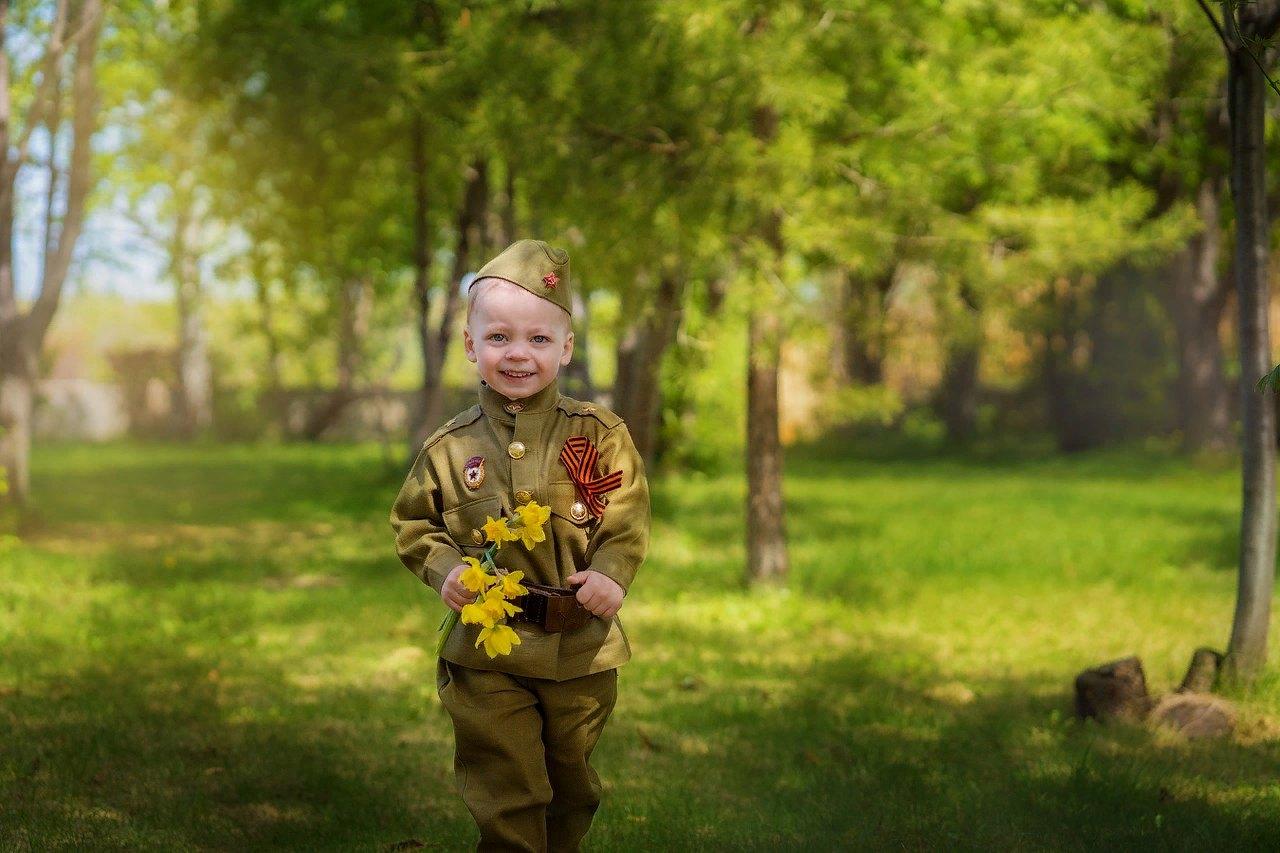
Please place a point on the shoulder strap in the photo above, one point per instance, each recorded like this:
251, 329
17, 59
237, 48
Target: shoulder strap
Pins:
571, 406
456, 422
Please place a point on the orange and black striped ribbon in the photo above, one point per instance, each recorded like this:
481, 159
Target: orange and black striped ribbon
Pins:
579, 455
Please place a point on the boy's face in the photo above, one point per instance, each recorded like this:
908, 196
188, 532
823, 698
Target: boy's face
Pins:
518, 341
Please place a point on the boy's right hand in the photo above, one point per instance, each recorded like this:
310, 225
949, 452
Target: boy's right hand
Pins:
453, 592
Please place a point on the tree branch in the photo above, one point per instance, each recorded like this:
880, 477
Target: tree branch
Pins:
40, 102
79, 173
8, 302
1216, 26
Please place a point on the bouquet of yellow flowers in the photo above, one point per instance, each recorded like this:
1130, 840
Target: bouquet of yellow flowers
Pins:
495, 591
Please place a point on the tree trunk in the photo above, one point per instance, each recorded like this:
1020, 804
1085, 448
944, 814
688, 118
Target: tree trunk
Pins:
267, 328
861, 329
1247, 651
578, 371
958, 396
637, 393
22, 334
766, 520
195, 376
1197, 298
421, 280
507, 235
17, 403
766, 530
355, 306
469, 231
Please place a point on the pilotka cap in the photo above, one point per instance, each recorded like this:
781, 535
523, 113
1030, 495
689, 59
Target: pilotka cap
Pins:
539, 268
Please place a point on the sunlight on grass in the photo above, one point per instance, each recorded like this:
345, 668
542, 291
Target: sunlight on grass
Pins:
233, 657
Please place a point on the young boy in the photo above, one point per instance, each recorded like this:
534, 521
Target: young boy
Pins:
525, 723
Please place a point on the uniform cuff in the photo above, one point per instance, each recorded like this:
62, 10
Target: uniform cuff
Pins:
618, 571
438, 568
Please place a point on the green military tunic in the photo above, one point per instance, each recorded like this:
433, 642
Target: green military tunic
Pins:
439, 513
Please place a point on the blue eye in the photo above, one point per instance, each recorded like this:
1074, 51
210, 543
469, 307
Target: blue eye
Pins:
496, 335
541, 338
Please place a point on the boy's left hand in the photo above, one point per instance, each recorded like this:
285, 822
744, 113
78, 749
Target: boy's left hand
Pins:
599, 593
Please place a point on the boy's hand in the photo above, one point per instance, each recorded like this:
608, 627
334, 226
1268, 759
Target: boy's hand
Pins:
454, 593
599, 593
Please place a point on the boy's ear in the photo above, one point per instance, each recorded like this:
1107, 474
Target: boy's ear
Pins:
469, 345
568, 349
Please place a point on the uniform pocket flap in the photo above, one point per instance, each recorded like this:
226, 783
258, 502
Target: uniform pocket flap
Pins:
466, 523
563, 499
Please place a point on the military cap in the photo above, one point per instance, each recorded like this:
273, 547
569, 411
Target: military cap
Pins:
541, 269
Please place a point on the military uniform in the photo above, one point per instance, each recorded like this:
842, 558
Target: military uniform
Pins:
525, 723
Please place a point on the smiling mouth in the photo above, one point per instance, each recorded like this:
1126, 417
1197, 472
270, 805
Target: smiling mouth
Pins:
515, 375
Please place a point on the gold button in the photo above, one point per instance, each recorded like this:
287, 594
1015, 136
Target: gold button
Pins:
578, 511
514, 407
524, 496
477, 537
515, 449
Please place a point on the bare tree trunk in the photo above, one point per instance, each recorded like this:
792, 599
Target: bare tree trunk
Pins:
578, 371
1198, 296
22, 334
767, 558
267, 328
421, 278
195, 376
958, 396
469, 228
860, 329
508, 208
355, 307
766, 529
17, 403
637, 393
1247, 651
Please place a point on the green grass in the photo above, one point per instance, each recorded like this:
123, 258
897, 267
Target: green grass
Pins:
216, 648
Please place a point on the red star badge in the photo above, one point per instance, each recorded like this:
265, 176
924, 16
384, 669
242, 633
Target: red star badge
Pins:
551, 280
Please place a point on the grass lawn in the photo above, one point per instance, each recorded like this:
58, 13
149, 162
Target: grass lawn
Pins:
216, 648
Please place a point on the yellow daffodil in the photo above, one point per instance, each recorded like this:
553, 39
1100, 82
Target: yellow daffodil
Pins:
478, 614
533, 514
497, 640
492, 609
511, 584
496, 530
532, 517
475, 578
496, 602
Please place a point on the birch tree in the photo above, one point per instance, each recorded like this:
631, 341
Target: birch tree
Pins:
61, 111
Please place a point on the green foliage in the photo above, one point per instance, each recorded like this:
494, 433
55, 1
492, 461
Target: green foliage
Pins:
1270, 380
998, 148
858, 405
703, 398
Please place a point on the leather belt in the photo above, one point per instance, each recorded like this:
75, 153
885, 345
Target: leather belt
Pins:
551, 608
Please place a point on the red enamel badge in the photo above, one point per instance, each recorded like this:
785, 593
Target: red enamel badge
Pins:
473, 472
551, 280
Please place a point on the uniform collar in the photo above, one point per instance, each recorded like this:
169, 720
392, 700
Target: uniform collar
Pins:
504, 408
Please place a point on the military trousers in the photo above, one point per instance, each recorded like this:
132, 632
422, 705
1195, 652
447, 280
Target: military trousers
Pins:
522, 753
